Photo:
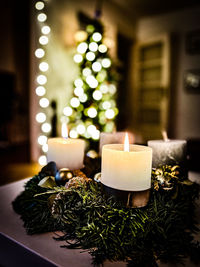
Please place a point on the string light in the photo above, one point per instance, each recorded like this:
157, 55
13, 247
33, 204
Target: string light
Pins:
97, 36
78, 91
45, 29
39, 53
92, 112
93, 46
46, 127
74, 102
44, 102
96, 66
42, 139
78, 58
44, 66
42, 17
40, 117
78, 83
41, 80
102, 48
86, 72
40, 91
42, 160
106, 62
67, 111
80, 129
43, 40
90, 56
82, 47
39, 5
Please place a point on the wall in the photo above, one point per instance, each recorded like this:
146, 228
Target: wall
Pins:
62, 18
14, 54
186, 110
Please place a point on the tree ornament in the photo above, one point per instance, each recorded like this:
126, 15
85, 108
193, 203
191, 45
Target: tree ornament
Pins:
63, 176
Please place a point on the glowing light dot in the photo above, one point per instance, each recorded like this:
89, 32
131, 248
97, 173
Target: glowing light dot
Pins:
46, 127
82, 47
43, 40
106, 105
42, 17
90, 56
96, 135
96, 36
73, 134
39, 5
96, 66
78, 83
42, 160
41, 79
102, 48
87, 72
45, 148
92, 112
74, 102
39, 53
67, 111
44, 66
83, 98
44, 102
80, 36
40, 91
97, 95
91, 129
80, 129
92, 81
106, 62
93, 47
110, 113
45, 29
78, 58
78, 91
104, 88
40, 117
42, 139
112, 89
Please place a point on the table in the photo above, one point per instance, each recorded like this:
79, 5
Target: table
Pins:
43, 245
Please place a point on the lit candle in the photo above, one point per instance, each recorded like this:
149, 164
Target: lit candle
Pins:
169, 152
113, 138
126, 167
66, 152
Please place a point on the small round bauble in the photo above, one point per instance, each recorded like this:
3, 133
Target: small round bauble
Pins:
63, 176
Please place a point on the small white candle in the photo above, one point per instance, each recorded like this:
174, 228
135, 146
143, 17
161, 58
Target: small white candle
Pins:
113, 138
66, 152
128, 170
168, 151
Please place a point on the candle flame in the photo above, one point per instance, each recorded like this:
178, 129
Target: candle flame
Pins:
165, 137
64, 130
126, 143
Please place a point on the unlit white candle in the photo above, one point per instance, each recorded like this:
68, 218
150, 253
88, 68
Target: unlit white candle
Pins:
66, 152
123, 170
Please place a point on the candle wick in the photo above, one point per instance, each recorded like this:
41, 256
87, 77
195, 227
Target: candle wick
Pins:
165, 137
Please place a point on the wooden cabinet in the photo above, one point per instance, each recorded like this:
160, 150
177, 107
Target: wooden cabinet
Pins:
151, 86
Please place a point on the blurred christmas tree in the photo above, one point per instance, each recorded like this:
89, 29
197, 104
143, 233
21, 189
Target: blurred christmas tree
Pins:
92, 109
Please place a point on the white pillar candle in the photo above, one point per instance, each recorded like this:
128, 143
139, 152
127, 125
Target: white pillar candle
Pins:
168, 152
126, 170
113, 138
66, 152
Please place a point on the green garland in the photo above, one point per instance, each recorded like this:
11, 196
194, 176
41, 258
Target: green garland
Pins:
163, 230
